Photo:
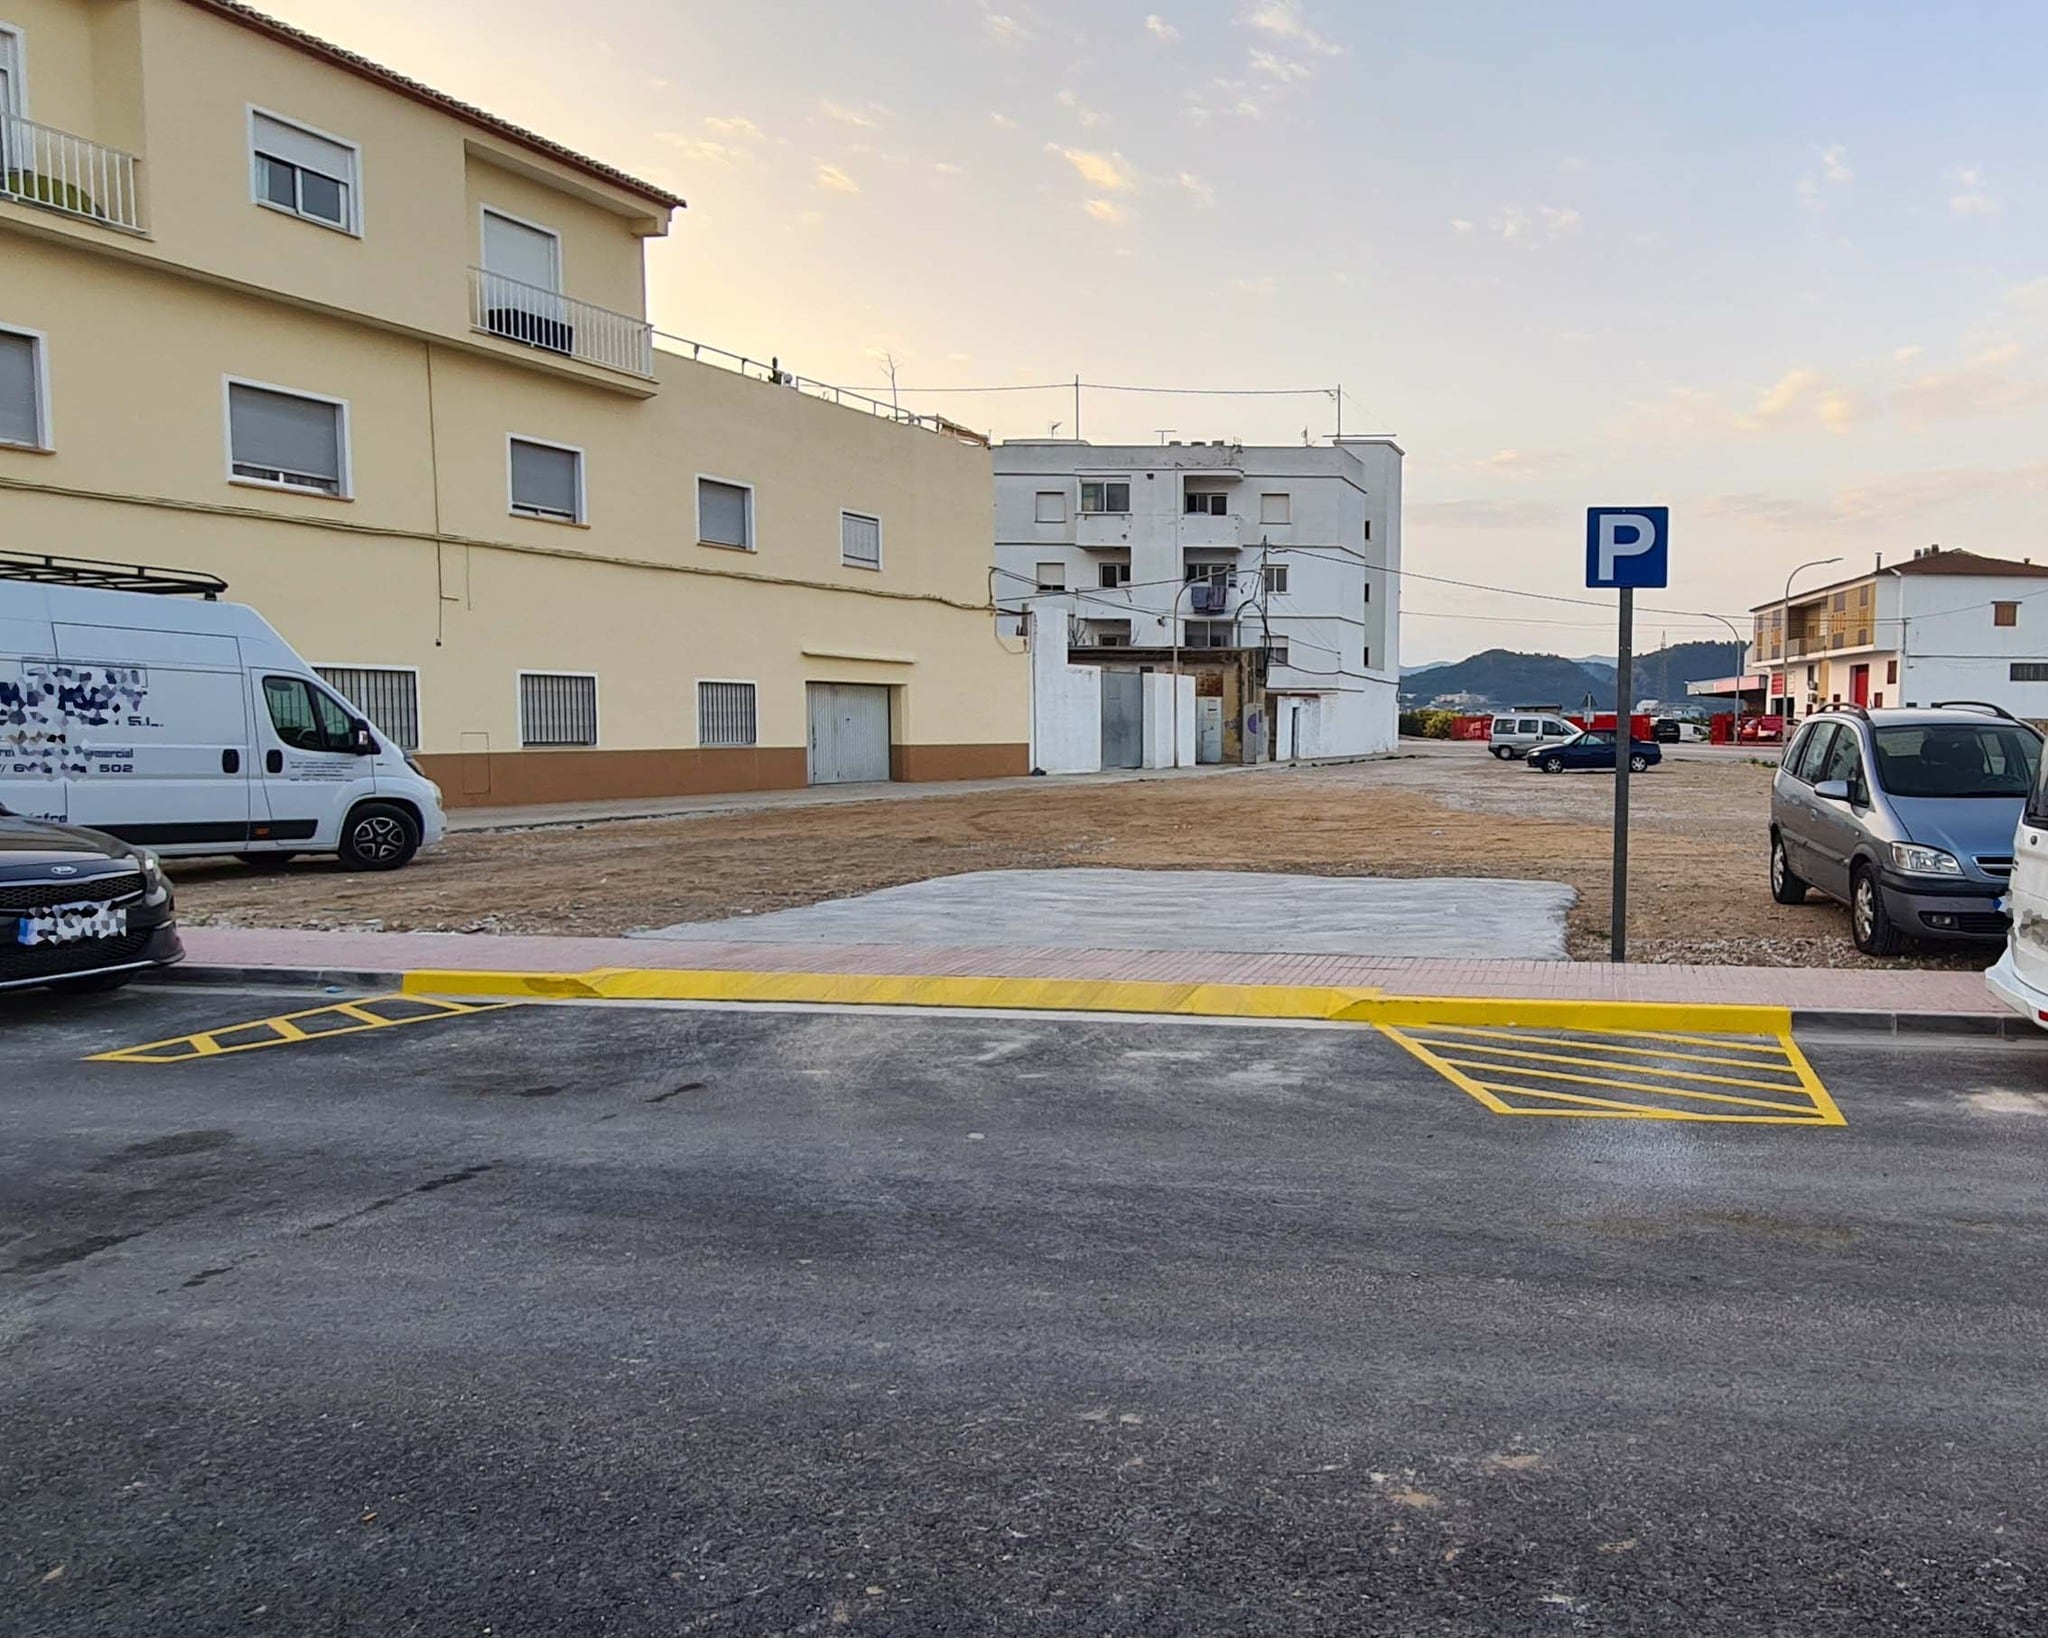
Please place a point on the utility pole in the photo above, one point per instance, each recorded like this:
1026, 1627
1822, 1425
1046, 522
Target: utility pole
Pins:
1077, 407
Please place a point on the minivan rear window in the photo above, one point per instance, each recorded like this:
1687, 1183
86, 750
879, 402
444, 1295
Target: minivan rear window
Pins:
1958, 759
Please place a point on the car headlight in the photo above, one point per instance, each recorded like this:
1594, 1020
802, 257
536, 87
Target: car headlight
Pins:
1924, 861
155, 885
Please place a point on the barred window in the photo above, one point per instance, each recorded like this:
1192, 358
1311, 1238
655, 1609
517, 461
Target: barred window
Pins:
390, 699
860, 540
725, 713
557, 708
2026, 671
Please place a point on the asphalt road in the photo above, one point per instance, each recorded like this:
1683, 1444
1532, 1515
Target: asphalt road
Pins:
603, 1320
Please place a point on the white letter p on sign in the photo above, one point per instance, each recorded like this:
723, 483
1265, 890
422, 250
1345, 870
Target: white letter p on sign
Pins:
1640, 533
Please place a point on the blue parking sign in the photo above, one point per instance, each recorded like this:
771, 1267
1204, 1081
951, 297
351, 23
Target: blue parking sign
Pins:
1628, 546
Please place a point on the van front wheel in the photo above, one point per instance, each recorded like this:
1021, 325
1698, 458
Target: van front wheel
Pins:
379, 836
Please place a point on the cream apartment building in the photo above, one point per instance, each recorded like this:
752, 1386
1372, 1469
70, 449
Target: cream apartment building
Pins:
1937, 625
382, 361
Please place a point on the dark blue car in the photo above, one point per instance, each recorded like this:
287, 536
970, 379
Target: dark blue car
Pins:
1594, 749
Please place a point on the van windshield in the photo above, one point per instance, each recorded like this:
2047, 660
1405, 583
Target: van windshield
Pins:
1958, 760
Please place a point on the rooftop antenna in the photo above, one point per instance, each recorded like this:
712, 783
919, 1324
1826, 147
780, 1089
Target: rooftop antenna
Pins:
1163, 431
1053, 431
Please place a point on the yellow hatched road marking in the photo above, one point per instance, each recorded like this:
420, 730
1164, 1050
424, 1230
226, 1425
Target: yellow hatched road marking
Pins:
1537, 1038
286, 1029
1453, 1053
1495, 1052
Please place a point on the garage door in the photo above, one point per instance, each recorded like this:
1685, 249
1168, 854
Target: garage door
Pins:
849, 733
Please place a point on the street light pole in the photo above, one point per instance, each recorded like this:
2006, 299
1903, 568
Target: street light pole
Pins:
1785, 659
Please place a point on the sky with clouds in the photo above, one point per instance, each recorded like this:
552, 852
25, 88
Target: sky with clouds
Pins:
1782, 266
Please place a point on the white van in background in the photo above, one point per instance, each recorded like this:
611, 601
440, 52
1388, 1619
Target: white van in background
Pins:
189, 726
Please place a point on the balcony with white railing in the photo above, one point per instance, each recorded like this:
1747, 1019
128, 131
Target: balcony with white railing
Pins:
40, 165
554, 323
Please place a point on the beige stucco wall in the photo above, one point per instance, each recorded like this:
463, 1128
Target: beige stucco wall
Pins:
425, 568
174, 84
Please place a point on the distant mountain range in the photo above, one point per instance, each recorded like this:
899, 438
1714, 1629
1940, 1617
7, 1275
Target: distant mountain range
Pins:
1503, 677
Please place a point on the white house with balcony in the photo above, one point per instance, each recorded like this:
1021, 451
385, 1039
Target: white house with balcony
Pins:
1937, 625
1276, 568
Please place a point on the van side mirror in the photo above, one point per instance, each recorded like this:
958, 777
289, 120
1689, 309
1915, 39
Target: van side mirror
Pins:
1832, 790
362, 741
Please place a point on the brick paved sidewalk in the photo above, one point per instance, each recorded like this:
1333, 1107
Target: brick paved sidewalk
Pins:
1806, 990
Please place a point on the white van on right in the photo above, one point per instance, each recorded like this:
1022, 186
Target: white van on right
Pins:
2020, 979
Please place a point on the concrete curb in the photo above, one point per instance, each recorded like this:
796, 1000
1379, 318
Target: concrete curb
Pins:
2012, 1028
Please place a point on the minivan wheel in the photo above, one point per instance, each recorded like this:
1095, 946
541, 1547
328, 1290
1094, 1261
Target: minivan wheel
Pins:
1870, 924
379, 836
1786, 887
1638, 764
1502, 752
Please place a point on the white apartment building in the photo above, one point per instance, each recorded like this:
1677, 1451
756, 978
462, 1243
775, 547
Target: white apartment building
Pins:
1940, 625
1280, 565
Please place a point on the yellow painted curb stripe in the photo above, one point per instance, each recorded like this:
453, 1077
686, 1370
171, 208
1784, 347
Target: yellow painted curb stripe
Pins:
1279, 1001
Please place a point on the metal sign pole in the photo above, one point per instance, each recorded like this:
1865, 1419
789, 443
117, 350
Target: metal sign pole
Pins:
1624, 748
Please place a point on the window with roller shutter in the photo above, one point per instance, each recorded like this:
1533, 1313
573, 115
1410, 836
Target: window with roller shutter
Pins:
725, 514
291, 440
546, 480
24, 416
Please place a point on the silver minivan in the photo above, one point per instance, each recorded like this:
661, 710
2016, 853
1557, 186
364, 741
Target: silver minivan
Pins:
1516, 736
1905, 816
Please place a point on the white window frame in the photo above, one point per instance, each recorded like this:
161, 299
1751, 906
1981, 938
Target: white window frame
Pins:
19, 35
1278, 579
853, 562
596, 708
419, 713
582, 518
46, 439
1040, 588
353, 227
483, 210
727, 682
347, 492
1038, 509
1104, 485
1286, 499
697, 510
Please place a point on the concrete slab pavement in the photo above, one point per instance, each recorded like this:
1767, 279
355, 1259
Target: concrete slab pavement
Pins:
1237, 911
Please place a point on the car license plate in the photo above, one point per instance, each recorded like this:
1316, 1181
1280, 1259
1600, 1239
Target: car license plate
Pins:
73, 924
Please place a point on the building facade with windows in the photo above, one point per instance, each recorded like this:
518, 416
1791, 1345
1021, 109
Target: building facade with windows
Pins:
382, 362
1148, 556
1940, 625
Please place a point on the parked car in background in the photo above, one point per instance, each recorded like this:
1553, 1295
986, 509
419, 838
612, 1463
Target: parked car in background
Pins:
79, 910
1518, 735
1760, 730
1595, 748
1679, 731
1906, 816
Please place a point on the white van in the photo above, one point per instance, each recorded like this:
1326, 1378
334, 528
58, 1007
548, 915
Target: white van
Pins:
190, 726
1514, 736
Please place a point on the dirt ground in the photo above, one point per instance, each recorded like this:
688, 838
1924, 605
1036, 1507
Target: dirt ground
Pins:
1698, 889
